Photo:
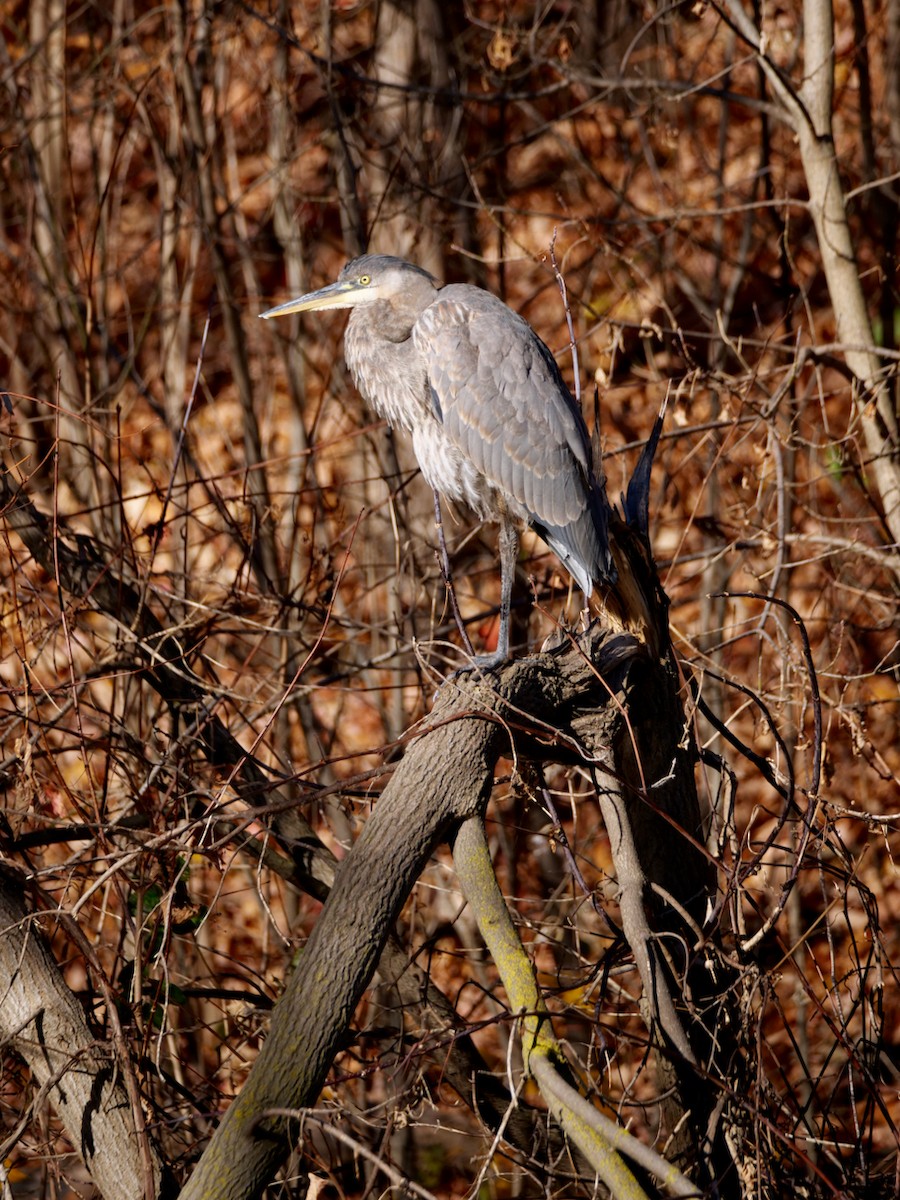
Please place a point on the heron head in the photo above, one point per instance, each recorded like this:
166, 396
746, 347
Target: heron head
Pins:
364, 280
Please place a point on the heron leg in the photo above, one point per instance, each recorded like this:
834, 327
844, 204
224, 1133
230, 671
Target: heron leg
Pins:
509, 553
445, 571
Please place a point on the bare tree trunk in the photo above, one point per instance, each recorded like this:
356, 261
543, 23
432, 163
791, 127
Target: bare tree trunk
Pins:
892, 72
402, 226
43, 1023
559, 705
56, 308
341, 955
809, 110
204, 155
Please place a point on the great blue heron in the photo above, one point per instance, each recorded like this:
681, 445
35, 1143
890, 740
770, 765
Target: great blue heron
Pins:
493, 424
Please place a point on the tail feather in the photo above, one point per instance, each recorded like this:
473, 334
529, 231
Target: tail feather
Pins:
583, 545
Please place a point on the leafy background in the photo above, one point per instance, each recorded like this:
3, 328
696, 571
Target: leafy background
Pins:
170, 171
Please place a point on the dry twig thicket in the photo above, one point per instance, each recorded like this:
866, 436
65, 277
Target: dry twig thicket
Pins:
222, 613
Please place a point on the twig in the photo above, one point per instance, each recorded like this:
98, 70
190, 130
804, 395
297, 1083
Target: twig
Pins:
813, 795
397, 1178
573, 345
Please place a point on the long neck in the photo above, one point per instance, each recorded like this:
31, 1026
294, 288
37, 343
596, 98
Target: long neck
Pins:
384, 363
384, 321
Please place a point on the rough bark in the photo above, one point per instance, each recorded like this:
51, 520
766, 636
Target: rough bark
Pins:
537, 703
43, 1023
342, 953
645, 778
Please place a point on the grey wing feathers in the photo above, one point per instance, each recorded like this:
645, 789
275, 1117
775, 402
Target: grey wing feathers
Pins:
501, 399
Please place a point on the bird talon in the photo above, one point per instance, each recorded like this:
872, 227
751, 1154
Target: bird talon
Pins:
482, 663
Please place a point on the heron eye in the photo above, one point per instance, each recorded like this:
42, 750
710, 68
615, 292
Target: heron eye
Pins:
365, 280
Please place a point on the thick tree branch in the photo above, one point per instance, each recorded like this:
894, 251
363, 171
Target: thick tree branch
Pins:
338, 961
599, 1139
43, 1023
533, 705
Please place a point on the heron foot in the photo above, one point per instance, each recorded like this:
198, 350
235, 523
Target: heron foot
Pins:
481, 663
